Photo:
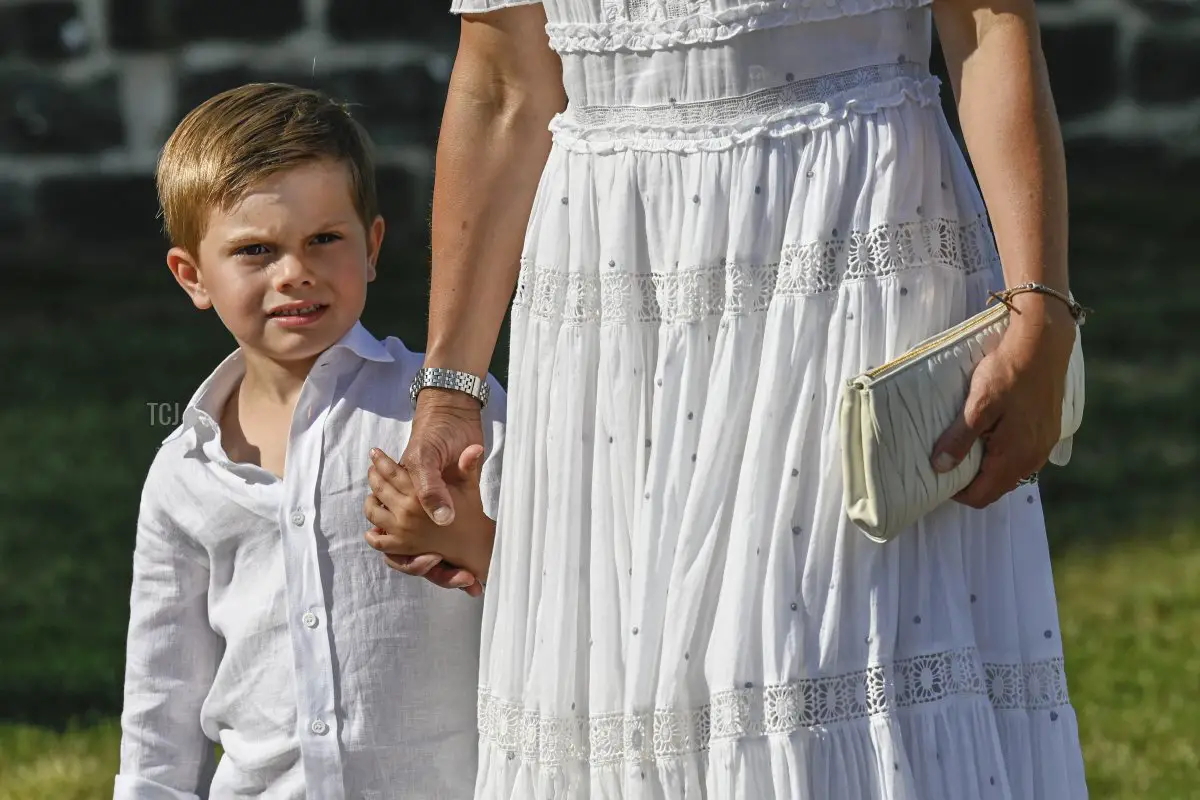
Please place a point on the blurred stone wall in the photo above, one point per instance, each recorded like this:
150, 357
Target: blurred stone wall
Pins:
89, 89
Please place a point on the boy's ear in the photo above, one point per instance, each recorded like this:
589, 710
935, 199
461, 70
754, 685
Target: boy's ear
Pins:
187, 274
374, 242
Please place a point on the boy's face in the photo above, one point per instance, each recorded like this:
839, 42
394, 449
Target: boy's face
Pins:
287, 267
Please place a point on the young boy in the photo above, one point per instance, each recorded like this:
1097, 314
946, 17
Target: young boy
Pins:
260, 619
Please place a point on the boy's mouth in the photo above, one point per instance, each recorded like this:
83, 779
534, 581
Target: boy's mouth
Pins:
295, 315
295, 310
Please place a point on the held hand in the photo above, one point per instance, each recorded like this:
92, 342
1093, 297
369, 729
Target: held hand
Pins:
445, 424
404, 533
432, 568
1014, 405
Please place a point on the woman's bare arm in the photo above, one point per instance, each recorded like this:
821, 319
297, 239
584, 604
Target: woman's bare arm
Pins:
1007, 113
505, 88
993, 51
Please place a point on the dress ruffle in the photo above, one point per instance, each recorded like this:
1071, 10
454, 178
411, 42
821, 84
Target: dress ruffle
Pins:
704, 28
699, 137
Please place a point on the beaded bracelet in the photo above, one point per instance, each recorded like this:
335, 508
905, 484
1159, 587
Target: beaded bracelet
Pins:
1078, 312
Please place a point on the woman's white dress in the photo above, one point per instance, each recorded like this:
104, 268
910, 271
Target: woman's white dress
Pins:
746, 203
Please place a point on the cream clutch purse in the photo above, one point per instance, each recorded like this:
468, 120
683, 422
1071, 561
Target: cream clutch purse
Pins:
892, 415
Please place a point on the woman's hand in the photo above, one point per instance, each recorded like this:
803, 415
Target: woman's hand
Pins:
445, 424
1015, 402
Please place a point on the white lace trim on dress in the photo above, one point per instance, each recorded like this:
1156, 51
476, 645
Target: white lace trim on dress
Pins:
662, 24
779, 709
613, 296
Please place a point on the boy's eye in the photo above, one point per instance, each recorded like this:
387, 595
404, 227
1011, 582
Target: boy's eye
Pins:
251, 250
326, 238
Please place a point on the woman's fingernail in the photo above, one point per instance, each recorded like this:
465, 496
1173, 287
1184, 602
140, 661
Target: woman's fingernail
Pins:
943, 462
374, 453
442, 515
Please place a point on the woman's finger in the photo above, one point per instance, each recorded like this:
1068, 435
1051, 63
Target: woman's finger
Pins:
980, 413
470, 464
432, 568
998, 475
444, 425
419, 566
984, 490
424, 465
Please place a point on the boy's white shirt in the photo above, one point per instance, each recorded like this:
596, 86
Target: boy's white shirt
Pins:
261, 619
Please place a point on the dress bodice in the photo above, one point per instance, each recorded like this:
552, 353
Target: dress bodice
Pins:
671, 71
749, 57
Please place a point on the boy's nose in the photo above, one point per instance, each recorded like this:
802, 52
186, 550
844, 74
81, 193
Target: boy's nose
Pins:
292, 271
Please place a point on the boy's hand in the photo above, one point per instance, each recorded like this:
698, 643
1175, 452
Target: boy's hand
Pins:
409, 539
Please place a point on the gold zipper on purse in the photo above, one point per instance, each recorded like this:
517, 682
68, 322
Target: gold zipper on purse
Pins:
1078, 312
984, 318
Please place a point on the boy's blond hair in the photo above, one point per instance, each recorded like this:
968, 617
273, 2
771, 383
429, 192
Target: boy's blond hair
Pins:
233, 141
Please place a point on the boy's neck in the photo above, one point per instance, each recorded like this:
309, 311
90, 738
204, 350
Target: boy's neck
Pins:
271, 381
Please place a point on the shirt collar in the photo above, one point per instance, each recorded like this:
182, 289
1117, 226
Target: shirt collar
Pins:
205, 406
359, 341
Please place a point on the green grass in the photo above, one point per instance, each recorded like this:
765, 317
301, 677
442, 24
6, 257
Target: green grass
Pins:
1129, 628
37, 764
86, 350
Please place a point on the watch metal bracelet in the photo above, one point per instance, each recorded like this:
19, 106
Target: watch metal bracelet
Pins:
441, 378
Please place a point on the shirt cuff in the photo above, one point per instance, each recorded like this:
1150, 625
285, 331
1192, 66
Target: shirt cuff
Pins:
131, 787
489, 494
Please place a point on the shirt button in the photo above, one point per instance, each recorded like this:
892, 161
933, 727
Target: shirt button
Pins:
309, 619
319, 727
298, 518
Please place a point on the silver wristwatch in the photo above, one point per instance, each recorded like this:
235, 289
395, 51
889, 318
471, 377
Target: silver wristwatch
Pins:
439, 378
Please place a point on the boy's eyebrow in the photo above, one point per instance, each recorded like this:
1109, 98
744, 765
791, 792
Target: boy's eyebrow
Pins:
244, 235
337, 222
247, 234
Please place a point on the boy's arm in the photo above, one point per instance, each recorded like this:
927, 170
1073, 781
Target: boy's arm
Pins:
171, 658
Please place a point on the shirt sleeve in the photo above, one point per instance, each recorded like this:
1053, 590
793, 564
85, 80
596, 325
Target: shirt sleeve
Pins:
171, 659
493, 435
482, 6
